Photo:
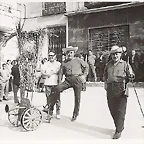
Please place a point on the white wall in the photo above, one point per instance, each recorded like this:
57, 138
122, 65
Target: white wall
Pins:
34, 9
10, 51
74, 6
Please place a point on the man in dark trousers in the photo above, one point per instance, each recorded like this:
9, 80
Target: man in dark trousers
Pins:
125, 56
16, 80
75, 71
116, 75
135, 62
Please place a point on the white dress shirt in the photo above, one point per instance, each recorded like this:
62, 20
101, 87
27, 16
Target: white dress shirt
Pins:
50, 70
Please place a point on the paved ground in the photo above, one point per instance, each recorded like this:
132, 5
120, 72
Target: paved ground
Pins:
94, 122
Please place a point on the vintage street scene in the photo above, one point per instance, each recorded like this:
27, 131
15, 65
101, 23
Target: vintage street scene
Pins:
72, 71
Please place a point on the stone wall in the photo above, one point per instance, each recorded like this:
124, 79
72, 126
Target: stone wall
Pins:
79, 24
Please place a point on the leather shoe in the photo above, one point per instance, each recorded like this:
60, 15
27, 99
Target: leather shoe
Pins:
73, 118
117, 135
45, 110
5, 99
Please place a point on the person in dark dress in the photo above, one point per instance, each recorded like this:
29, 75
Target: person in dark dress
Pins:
16, 80
134, 62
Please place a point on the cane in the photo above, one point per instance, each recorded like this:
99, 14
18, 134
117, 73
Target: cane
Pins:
138, 99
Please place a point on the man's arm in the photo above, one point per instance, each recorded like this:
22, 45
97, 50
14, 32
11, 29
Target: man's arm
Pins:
1, 78
60, 73
129, 72
85, 67
105, 74
94, 57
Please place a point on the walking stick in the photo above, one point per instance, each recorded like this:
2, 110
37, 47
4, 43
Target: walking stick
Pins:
138, 99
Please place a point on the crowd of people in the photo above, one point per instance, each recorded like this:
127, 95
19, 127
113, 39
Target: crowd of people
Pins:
54, 77
9, 80
98, 62
117, 73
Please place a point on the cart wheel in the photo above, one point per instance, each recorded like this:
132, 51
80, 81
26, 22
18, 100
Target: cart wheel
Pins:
13, 117
31, 119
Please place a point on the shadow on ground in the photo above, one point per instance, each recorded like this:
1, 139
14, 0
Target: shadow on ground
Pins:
65, 123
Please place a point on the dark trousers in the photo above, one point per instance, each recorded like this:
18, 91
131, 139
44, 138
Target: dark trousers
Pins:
70, 82
117, 106
15, 91
92, 72
48, 91
10, 84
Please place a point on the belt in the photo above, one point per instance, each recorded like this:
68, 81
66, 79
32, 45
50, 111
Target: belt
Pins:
74, 75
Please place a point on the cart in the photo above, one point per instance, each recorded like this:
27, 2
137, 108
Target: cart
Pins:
25, 115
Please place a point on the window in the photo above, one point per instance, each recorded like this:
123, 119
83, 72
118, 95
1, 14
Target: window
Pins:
52, 8
101, 39
57, 40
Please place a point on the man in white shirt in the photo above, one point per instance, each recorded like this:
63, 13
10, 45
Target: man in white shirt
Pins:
4, 82
50, 71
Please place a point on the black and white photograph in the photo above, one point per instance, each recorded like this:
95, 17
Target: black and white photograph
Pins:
71, 71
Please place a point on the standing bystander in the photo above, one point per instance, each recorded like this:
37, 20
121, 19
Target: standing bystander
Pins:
50, 71
4, 82
16, 80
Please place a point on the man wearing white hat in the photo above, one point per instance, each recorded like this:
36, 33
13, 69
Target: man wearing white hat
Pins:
117, 74
74, 76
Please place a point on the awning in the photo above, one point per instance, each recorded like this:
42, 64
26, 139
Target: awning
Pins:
46, 21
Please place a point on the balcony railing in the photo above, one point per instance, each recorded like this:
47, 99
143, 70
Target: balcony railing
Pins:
52, 8
91, 5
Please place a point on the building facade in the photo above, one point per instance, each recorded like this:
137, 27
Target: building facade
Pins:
10, 14
51, 15
88, 25
103, 25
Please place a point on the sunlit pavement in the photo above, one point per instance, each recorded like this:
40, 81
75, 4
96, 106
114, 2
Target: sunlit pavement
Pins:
94, 122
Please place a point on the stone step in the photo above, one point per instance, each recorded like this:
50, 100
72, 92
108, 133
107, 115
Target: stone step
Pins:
101, 84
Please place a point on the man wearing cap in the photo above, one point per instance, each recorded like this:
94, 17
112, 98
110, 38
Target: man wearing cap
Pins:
72, 69
50, 71
117, 74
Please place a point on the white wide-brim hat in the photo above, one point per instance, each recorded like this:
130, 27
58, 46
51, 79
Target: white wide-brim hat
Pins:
51, 53
116, 49
70, 48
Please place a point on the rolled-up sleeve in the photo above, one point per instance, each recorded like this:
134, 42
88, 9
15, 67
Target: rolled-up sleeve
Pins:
85, 67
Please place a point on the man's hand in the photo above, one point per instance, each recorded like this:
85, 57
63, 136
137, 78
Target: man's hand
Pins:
83, 78
131, 77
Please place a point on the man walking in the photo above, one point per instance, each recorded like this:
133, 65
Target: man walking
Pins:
4, 82
117, 73
72, 69
50, 71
